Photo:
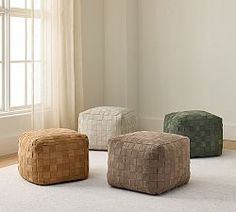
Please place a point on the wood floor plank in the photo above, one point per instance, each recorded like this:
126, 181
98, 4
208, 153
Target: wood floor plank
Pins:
8, 160
230, 144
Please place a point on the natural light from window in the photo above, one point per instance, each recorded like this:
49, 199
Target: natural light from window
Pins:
20, 52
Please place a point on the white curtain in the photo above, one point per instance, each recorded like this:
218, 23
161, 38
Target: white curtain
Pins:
57, 84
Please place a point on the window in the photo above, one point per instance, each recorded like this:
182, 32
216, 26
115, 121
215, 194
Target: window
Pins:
19, 52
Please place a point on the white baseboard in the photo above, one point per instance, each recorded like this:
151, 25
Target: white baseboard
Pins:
230, 131
156, 124
8, 145
9, 135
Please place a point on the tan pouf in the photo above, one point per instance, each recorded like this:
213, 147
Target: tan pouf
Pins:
53, 156
102, 123
148, 162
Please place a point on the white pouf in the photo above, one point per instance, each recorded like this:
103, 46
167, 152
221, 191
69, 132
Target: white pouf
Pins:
102, 123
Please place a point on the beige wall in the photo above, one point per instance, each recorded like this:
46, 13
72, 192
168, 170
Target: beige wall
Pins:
159, 56
121, 53
110, 52
93, 52
9, 135
187, 59
115, 53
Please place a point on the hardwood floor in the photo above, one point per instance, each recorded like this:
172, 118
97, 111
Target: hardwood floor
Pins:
230, 144
8, 160
12, 159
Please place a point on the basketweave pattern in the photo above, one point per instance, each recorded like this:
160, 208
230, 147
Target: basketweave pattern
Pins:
148, 162
204, 129
53, 156
102, 123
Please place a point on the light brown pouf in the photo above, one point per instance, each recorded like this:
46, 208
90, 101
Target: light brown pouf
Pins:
53, 156
148, 162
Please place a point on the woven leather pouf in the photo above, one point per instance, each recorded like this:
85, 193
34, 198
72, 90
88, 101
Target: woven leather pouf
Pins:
102, 123
205, 131
148, 162
53, 156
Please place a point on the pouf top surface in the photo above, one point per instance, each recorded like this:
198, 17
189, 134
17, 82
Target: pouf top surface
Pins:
149, 138
107, 110
194, 114
53, 134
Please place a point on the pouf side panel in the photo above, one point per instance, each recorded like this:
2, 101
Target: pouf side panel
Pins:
27, 161
206, 136
168, 122
62, 162
128, 166
128, 123
99, 128
177, 165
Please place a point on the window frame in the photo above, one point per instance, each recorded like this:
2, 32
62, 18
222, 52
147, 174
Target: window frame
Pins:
6, 12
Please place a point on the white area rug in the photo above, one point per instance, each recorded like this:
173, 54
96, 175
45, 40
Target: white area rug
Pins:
212, 188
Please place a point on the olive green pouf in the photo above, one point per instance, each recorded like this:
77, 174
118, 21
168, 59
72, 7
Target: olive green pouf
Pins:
204, 129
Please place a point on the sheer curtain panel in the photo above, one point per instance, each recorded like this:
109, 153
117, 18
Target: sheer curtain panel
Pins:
54, 82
